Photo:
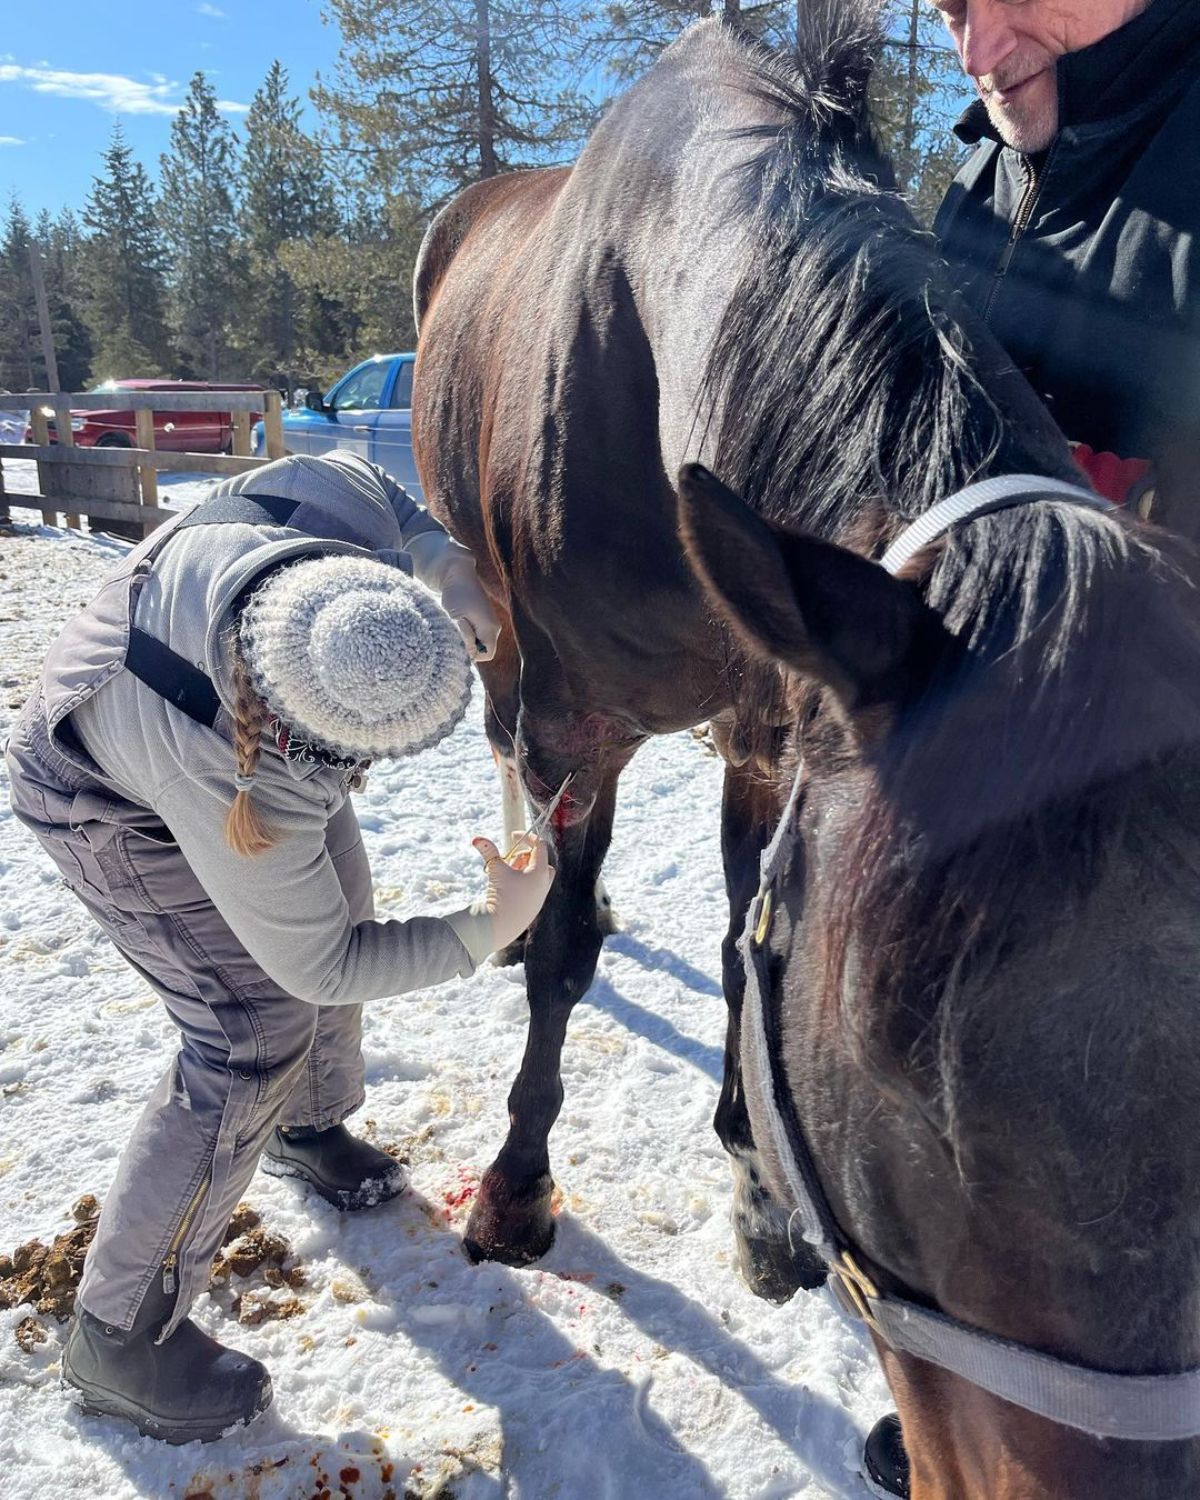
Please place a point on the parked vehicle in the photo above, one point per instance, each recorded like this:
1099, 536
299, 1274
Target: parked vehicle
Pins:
174, 431
12, 424
369, 411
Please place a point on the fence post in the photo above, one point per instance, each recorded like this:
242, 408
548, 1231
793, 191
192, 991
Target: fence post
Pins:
5, 518
273, 425
41, 436
43, 313
143, 421
66, 439
241, 434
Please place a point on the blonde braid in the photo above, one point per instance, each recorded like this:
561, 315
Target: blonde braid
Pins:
245, 831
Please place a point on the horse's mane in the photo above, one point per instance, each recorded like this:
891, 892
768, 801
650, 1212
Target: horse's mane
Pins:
846, 372
852, 389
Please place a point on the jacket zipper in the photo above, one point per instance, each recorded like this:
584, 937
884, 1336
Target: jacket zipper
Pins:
1020, 224
172, 1259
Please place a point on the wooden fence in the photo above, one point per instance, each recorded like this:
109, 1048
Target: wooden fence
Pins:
118, 484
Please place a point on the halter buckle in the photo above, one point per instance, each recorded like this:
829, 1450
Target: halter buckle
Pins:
856, 1287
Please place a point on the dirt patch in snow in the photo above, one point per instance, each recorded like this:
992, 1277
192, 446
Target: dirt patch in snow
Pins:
250, 1248
48, 1275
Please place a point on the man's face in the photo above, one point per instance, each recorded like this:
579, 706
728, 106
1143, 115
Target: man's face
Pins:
1009, 47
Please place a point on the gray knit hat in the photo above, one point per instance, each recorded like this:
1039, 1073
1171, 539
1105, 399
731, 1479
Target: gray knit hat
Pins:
355, 656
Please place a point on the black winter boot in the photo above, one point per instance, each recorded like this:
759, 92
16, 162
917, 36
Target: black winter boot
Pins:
188, 1388
346, 1172
885, 1463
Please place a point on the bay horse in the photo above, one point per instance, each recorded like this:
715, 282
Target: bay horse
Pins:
983, 976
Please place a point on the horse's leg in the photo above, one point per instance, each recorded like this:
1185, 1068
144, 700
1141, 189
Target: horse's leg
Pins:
501, 681
511, 1220
516, 814
513, 805
773, 1263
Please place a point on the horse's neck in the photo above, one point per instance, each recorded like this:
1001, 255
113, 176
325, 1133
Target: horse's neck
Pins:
685, 294
687, 260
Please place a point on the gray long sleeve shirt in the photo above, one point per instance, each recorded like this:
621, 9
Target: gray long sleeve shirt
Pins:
292, 907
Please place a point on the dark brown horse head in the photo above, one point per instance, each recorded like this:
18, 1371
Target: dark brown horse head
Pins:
987, 976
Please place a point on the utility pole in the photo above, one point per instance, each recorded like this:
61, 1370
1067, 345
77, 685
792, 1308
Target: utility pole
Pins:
910, 101
43, 313
489, 165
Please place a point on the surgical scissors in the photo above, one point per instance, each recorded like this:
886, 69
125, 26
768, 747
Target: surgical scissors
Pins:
541, 822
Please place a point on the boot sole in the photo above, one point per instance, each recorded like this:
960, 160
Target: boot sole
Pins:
875, 1486
95, 1402
340, 1198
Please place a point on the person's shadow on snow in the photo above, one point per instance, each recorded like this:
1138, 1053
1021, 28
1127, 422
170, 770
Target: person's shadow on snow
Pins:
548, 1391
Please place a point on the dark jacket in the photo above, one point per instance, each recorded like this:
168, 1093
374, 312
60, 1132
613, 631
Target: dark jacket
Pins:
1085, 259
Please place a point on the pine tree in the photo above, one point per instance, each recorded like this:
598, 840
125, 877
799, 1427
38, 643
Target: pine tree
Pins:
196, 212
288, 201
21, 365
636, 31
61, 244
362, 277
124, 273
919, 88
429, 95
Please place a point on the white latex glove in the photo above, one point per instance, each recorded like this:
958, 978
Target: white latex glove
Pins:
515, 894
442, 564
469, 607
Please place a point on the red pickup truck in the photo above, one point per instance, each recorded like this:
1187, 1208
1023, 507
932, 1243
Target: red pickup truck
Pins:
178, 431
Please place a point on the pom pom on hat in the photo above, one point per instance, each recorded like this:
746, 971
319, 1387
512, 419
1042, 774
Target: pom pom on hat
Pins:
356, 656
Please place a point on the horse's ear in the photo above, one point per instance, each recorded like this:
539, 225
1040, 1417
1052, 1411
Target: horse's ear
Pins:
819, 609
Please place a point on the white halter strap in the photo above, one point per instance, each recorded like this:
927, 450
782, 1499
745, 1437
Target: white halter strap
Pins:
978, 500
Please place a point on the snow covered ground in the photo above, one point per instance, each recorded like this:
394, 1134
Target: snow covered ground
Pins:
632, 1362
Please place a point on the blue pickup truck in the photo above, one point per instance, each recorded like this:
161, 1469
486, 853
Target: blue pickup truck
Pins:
369, 411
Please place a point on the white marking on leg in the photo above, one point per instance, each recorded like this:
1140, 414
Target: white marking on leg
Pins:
605, 915
512, 798
754, 1212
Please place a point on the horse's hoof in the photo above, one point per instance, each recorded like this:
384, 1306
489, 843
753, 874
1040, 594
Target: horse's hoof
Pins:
513, 1230
775, 1271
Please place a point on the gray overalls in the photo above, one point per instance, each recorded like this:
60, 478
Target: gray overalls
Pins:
253, 1055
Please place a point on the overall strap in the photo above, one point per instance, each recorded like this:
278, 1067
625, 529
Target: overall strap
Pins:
164, 671
250, 510
172, 677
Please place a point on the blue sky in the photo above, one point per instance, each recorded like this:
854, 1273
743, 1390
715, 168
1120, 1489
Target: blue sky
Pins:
63, 85
67, 73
